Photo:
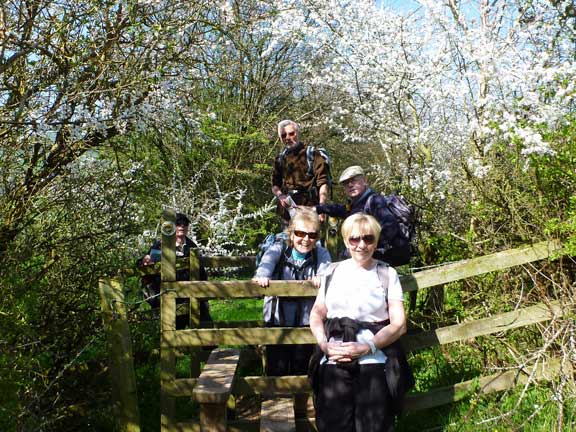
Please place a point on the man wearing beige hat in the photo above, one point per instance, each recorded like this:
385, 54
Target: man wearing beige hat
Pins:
393, 246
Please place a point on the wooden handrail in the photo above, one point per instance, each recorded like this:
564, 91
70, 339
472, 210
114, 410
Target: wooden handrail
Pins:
423, 279
290, 335
485, 264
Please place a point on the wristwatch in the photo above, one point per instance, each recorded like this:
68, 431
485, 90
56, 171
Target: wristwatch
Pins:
373, 348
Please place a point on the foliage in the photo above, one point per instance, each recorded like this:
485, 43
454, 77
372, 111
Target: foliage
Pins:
111, 110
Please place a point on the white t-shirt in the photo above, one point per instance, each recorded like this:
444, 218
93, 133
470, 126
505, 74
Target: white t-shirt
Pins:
357, 293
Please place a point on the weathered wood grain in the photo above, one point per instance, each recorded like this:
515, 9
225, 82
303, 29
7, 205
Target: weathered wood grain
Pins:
122, 372
277, 415
481, 327
488, 384
481, 265
215, 382
214, 387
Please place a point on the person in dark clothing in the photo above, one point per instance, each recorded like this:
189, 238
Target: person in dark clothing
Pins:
391, 247
151, 283
292, 182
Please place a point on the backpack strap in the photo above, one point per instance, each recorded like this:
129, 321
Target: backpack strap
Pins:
281, 159
310, 160
381, 269
315, 260
282, 156
329, 275
367, 204
278, 269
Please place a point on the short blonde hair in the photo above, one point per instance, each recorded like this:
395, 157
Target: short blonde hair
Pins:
306, 216
360, 224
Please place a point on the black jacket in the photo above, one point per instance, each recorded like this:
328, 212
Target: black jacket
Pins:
399, 377
392, 248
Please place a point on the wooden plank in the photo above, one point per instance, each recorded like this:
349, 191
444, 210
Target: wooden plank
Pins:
272, 386
477, 266
215, 383
234, 324
244, 336
253, 425
183, 263
424, 279
495, 324
241, 425
167, 311
418, 280
214, 387
123, 376
240, 289
194, 314
277, 415
167, 378
488, 384
194, 276
186, 427
287, 335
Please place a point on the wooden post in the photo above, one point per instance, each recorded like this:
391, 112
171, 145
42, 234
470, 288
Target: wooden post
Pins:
194, 276
120, 348
332, 237
167, 320
194, 314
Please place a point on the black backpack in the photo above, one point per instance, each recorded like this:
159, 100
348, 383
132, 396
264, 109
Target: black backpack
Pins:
405, 216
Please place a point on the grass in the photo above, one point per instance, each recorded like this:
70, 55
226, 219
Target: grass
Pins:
236, 310
536, 411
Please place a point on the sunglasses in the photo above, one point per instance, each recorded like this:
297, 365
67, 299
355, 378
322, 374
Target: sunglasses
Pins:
302, 234
290, 134
368, 239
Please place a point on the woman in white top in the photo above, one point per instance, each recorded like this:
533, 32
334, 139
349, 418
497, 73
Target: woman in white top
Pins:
360, 306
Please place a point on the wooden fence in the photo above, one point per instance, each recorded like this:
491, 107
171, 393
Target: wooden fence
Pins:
218, 381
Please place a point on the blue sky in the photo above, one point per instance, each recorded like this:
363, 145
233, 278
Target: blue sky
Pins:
468, 8
399, 5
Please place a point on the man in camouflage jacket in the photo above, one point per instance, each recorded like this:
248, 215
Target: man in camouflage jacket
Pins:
291, 180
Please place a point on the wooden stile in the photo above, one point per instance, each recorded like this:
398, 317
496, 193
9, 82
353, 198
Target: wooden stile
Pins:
205, 388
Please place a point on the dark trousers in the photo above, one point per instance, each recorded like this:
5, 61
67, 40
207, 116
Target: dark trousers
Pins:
287, 359
354, 399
